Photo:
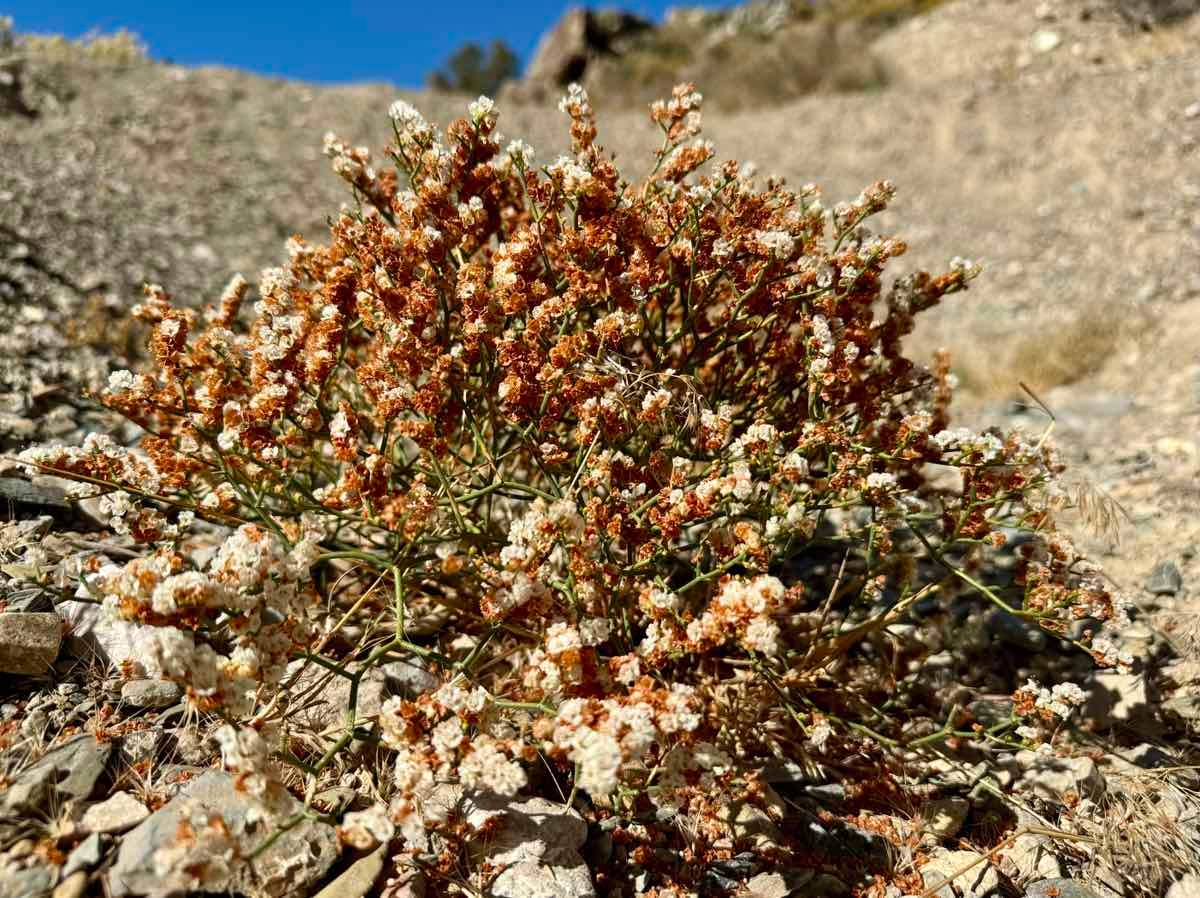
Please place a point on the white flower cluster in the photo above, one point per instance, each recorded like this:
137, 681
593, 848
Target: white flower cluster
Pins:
253, 587
1060, 701
760, 439
576, 101
575, 178
987, 446
604, 736
1106, 652
744, 609
127, 466
778, 244
537, 535
520, 154
481, 109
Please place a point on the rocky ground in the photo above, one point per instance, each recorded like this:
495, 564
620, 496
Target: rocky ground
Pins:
1057, 142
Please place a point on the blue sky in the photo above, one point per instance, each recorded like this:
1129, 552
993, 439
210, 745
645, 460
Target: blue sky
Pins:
364, 40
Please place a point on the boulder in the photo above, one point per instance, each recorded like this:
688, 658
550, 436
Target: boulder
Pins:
564, 52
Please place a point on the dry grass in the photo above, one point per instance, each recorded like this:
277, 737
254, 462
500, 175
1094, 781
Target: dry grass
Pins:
1149, 830
1041, 355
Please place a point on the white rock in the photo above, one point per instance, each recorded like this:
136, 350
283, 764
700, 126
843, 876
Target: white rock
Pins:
114, 815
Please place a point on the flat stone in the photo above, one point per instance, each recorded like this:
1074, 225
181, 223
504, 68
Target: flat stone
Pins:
29, 641
321, 698
290, 864
1164, 579
151, 693
359, 878
71, 770
31, 882
114, 815
409, 678
1122, 700
977, 881
1059, 887
86, 855
767, 885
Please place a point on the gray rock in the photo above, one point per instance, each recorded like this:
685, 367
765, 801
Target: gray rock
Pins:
320, 698
978, 880
1014, 630
409, 678
1030, 857
32, 882
1051, 778
536, 847
944, 818
140, 745
1059, 887
87, 854
71, 770
1156, 12
767, 885
1164, 580
359, 878
29, 641
291, 864
151, 693
119, 812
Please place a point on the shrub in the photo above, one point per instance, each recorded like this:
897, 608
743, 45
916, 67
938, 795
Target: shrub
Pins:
636, 469
120, 49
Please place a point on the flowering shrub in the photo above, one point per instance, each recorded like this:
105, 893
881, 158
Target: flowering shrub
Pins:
636, 469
